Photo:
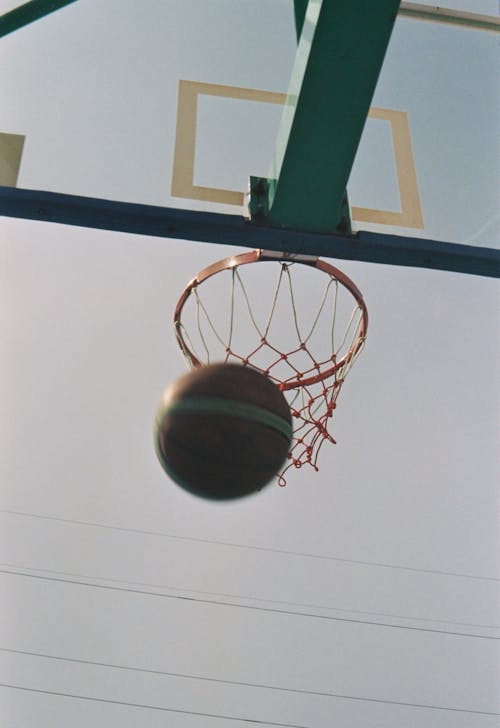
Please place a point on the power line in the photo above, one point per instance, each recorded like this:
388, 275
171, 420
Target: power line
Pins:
252, 607
308, 605
239, 683
249, 547
151, 707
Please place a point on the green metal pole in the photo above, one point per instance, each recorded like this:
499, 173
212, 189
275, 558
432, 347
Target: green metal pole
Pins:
339, 57
300, 7
27, 13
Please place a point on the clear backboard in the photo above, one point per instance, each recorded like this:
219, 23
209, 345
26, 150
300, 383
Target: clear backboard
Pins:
184, 130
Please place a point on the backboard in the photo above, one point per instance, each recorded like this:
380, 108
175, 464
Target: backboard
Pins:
184, 130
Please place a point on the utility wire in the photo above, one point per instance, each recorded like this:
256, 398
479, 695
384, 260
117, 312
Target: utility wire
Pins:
307, 605
249, 721
239, 683
252, 607
284, 552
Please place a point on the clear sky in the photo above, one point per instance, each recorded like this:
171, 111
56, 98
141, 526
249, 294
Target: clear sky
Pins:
365, 595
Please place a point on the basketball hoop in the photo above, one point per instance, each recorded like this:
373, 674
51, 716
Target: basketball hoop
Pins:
307, 347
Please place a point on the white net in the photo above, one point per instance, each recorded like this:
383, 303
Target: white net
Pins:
302, 326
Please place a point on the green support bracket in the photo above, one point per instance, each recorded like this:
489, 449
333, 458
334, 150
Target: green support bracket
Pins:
338, 61
27, 13
259, 206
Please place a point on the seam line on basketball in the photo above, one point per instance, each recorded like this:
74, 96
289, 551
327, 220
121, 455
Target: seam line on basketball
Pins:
220, 406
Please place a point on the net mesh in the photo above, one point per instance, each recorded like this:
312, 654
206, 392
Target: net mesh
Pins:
296, 324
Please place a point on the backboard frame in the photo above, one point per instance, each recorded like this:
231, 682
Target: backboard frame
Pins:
386, 248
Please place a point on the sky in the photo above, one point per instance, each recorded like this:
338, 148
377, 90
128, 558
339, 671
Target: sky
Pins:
364, 595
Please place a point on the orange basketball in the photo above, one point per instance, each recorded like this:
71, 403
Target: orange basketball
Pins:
223, 431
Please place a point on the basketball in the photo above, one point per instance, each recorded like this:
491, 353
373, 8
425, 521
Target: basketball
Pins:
223, 431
